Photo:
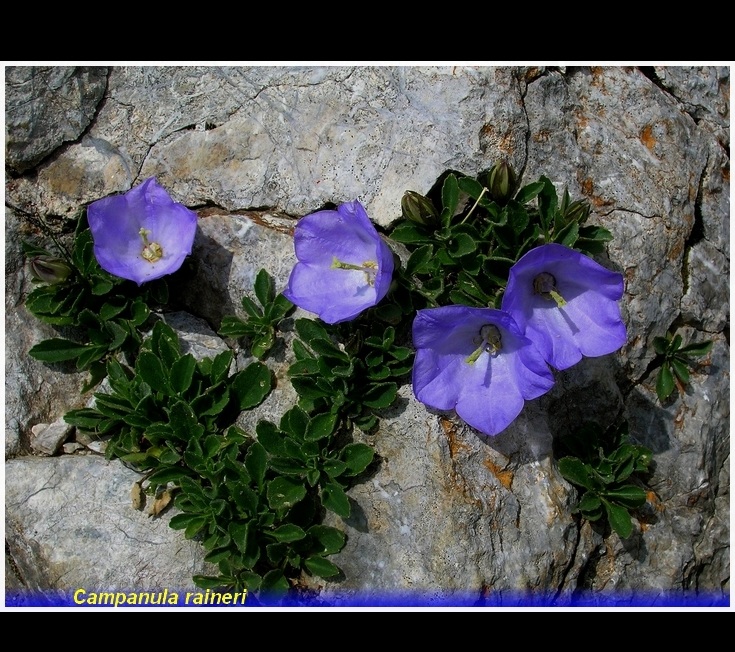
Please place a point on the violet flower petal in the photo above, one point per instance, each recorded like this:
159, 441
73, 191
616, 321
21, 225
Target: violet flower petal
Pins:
488, 392
329, 245
588, 324
123, 226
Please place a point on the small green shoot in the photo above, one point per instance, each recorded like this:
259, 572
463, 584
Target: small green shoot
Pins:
261, 323
605, 467
675, 363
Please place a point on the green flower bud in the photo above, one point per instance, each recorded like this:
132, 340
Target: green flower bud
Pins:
501, 182
418, 208
578, 211
49, 269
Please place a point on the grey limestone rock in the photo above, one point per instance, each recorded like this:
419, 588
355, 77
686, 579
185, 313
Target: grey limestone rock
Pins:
46, 107
70, 524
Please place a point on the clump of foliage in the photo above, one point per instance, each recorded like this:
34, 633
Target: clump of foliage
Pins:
468, 232
607, 468
256, 501
103, 314
261, 321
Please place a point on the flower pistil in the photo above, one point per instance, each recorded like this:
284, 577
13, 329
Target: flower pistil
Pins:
545, 285
152, 251
369, 267
488, 340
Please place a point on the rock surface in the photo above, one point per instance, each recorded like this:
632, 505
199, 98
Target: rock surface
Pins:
448, 514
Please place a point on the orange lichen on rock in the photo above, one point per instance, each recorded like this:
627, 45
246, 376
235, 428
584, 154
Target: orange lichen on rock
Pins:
505, 476
652, 499
588, 188
647, 137
450, 430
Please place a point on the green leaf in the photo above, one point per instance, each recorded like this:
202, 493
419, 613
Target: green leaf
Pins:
335, 499
85, 418
680, 369
212, 445
116, 405
320, 426
470, 186
568, 235
256, 463
664, 382
167, 474
699, 349
183, 521
308, 388
101, 286
589, 502
270, 437
461, 244
97, 372
450, 198
262, 344
529, 192
182, 373
234, 327
110, 310
165, 343
284, 493
305, 367
420, 260
140, 312
547, 203
365, 422
409, 233
630, 496
288, 533
330, 538
280, 307
244, 537
264, 288
92, 354
183, 422
209, 582
288, 466
244, 498
118, 335
595, 234
217, 555
220, 367
309, 330
295, 422
333, 468
619, 519
274, 585
255, 312
152, 371
57, 350
251, 385
575, 471
357, 457
195, 526
321, 567
660, 345
380, 396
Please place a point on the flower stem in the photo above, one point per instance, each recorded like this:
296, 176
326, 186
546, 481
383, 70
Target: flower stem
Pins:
474, 206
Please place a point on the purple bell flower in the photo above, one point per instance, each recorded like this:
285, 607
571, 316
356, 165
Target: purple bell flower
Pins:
143, 234
566, 304
343, 268
477, 362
